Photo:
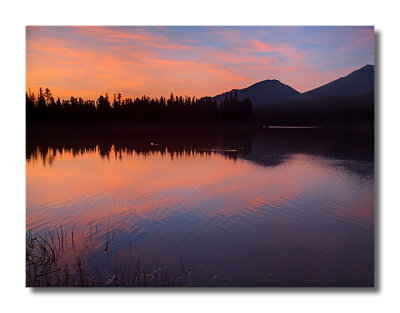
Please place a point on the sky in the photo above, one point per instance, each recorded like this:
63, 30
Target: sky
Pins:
196, 61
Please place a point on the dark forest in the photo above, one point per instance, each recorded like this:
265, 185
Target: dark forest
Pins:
43, 108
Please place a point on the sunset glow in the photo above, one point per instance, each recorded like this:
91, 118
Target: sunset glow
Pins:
194, 61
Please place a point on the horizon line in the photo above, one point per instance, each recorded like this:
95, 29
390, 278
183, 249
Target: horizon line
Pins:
194, 96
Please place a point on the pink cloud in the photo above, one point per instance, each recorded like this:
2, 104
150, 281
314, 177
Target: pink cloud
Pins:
88, 61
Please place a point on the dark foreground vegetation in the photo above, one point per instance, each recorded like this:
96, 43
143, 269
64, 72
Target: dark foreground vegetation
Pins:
66, 258
43, 108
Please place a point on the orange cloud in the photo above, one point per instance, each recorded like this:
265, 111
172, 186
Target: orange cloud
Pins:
89, 61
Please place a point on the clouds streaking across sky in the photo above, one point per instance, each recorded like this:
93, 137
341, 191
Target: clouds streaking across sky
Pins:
195, 61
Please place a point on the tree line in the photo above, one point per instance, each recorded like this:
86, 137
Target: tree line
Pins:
43, 107
332, 111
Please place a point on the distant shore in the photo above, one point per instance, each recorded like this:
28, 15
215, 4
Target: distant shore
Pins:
144, 127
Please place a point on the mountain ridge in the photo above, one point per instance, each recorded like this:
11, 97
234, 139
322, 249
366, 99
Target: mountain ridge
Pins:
273, 91
263, 93
357, 82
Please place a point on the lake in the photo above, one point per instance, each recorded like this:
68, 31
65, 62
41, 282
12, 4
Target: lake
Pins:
221, 207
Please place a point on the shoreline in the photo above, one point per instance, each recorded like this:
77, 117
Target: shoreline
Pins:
221, 127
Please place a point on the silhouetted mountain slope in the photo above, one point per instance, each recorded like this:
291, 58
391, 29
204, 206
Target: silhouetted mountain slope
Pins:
358, 82
270, 92
347, 100
263, 93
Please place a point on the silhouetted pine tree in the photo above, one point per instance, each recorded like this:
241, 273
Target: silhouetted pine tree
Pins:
175, 109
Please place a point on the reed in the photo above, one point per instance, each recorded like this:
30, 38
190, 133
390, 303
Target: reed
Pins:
51, 263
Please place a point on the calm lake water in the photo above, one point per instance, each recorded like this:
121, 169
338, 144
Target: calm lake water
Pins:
281, 207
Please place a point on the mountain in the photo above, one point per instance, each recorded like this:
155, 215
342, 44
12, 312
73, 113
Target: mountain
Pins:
272, 91
348, 100
264, 93
358, 82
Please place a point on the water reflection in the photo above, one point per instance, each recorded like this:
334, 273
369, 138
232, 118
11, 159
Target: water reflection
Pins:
273, 208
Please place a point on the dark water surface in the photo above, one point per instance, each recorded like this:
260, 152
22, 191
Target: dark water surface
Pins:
277, 207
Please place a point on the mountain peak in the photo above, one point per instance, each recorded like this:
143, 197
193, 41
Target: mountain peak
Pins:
357, 82
264, 92
268, 81
368, 66
272, 91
